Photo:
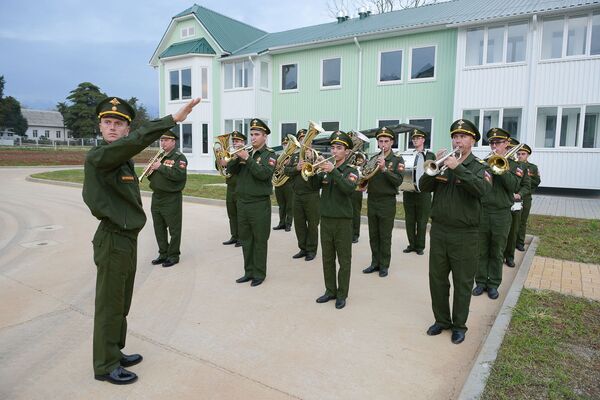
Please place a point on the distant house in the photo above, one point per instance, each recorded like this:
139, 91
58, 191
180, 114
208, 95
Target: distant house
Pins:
44, 124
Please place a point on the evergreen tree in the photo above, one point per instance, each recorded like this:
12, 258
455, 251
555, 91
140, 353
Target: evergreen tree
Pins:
79, 113
10, 113
141, 114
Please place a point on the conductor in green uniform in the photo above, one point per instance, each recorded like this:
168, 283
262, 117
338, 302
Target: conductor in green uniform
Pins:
254, 171
535, 179
306, 207
338, 181
111, 191
238, 140
382, 189
496, 217
417, 204
167, 180
454, 235
284, 195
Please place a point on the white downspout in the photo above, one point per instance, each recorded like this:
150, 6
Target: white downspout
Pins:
529, 116
359, 99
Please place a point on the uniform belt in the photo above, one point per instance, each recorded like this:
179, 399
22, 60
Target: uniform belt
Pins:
109, 226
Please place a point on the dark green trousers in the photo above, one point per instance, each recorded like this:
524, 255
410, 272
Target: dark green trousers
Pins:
230, 202
306, 221
115, 256
452, 251
381, 211
523, 223
285, 200
511, 241
336, 240
357, 198
254, 221
417, 207
494, 228
166, 211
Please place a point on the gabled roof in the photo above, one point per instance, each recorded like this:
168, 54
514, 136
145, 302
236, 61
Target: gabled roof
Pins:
43, 118
227, 32
199, 46
445, 14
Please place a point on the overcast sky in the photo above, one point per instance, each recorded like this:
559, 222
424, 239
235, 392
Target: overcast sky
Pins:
48, 47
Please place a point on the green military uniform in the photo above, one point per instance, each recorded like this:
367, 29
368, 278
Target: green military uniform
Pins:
523, 191
381, 208
535, 178
336, 222
167, 183
454, 235
284, 195
495, 221
230, 200
111, 191
357, 198
253, 193
306, 207
417, 206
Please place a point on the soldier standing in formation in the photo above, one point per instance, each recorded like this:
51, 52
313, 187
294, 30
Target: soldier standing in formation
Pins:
111, 191
417, 205
338, 181
357, 199
238, 140
284, 195
381, 203
306, 207
496, 218
535, 178
253, 191
167, 181
454, 234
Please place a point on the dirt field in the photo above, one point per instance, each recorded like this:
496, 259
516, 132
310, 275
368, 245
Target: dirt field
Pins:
50, 156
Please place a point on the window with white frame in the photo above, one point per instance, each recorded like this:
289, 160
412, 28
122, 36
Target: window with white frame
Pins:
568, 36
204, 83
264, 75
288, 128
390, 66
485, 120
561, 127
391, 122
204, 139
330, 126
422, 63
289, 77
426, 125
591, 128
331, 73
58, 134
240, 125
180, 82
238, 75
186, 138
496, 44
187, 32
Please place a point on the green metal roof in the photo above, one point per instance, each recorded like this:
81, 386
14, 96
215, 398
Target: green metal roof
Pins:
440, 14
199, 46
227, 32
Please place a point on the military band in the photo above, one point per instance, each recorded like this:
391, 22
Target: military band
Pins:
238, 141
535, 180
284, 195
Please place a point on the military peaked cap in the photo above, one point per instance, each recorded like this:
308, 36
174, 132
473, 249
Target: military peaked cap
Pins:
238, 135
115, 107
170, 135
341, 138
257, 124
497, 133
384, 132
465, 126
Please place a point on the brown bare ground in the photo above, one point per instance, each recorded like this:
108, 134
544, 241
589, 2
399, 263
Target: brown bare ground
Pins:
34, 157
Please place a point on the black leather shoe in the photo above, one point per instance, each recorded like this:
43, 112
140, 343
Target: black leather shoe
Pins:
419, 252
340, 303
300, 254
169, 263
230, 241
256, 282
458, 337
309, 257
238, 244
128, 361
493, 293
383, 273
158, 261
408, 250
243, 279
435, 329
288, 228
355, 239
510, 263
478, 290
520, 247
325, 298
279, 227
370, 269
118, 376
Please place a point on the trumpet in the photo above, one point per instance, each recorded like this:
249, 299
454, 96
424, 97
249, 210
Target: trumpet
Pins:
433, 168
309, 169
499, 164
157, 158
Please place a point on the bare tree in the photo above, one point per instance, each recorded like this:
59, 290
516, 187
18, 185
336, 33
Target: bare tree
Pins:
375, 6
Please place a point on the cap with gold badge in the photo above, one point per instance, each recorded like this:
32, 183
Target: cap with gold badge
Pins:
238, 135
115, 107
384, 132
257, 124
465, 126
512, 142
341, 137
301, 133
497, 134
417, 133
170, 135
526, 148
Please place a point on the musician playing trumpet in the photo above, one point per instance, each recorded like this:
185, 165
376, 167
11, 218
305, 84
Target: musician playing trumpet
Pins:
381, 202
238, 141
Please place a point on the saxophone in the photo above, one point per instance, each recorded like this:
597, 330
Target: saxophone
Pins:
157, 158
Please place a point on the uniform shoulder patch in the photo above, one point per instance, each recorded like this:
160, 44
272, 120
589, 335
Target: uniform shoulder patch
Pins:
487, 176
352, 177
272, 161
519, 172
177, 153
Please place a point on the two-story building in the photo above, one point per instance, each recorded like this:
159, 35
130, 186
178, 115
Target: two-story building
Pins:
532, 67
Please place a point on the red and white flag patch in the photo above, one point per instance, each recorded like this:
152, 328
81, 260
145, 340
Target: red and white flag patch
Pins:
400, 167
272, 161
182, 164
352, 177
487, 176
519, 172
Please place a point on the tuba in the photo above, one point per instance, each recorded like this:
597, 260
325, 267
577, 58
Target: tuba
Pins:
220, 149
313, 130
279, 177
157, 158
369, 170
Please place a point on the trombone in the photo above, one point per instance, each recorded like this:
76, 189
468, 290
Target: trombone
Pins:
433, 168
309, 169
157, 158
